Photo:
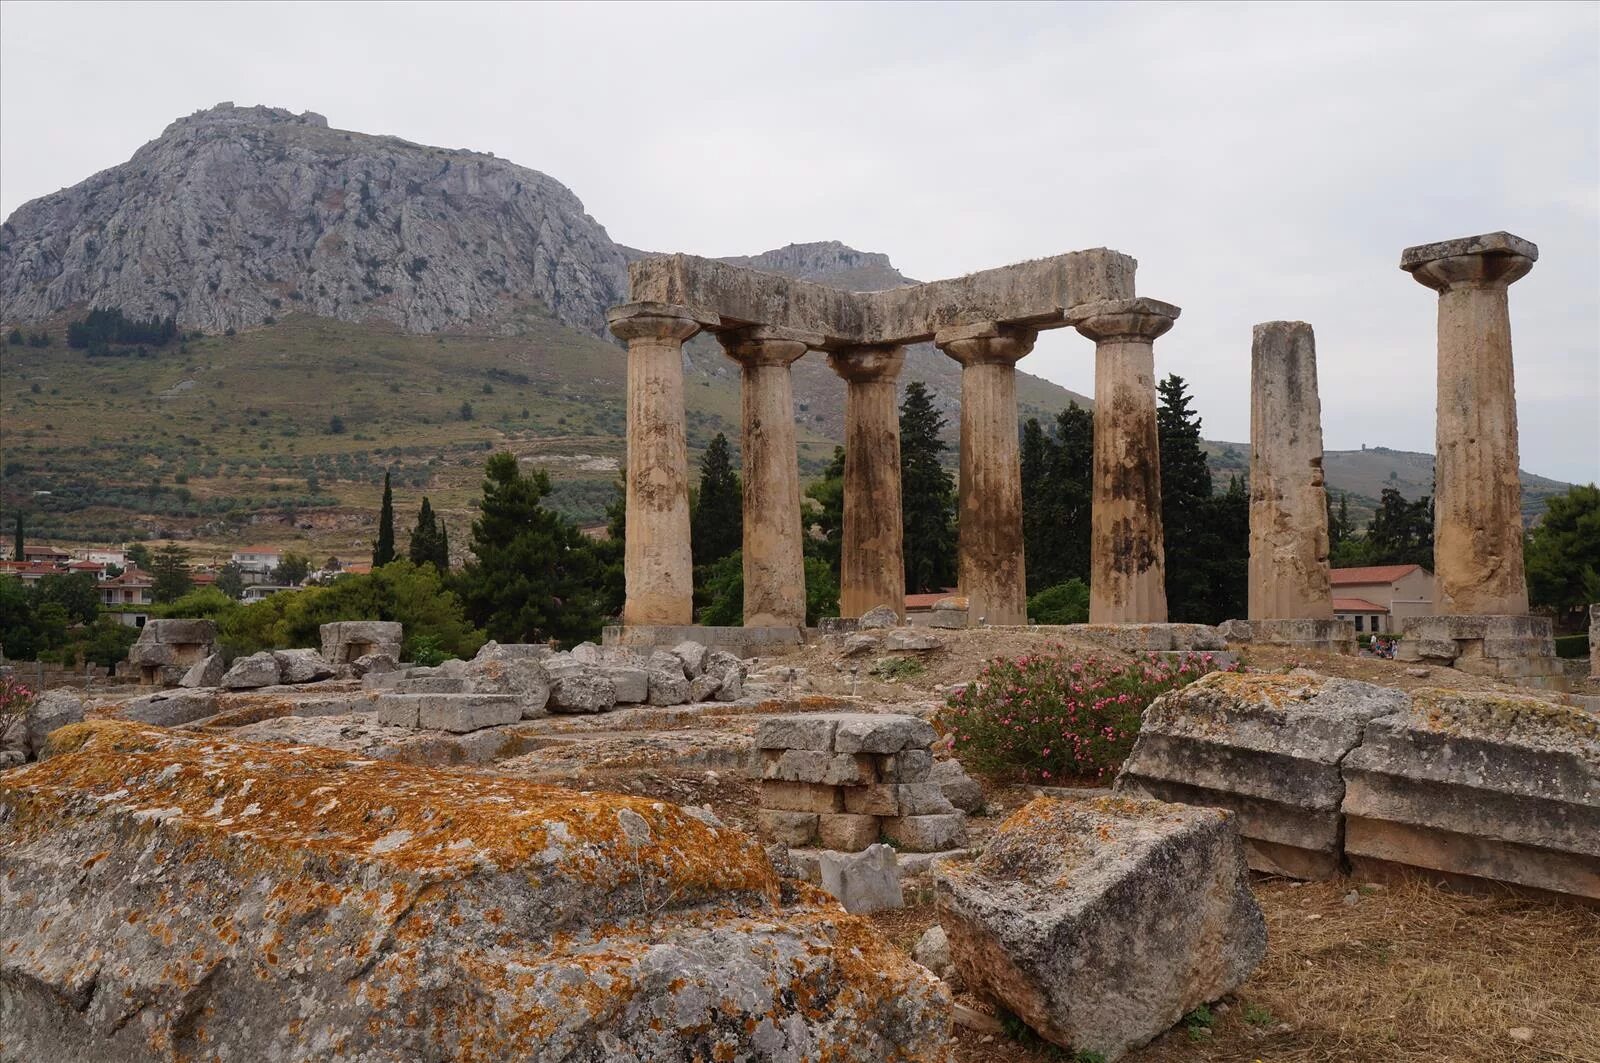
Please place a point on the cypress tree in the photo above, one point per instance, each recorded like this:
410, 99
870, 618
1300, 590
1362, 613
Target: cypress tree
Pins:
16, 544
927, 495
383, 552
716, 527
428, 545
1206, 537
1056, 478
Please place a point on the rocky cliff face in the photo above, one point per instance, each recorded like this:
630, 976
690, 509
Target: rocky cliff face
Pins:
237, 214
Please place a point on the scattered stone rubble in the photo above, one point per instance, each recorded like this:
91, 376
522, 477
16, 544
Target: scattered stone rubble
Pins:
165, 896
1461, 784
845, 780
1101, 922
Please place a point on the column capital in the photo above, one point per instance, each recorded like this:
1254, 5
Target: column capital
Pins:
1492, 260
1122, 319
986, 342
662, 321
861, 365
767, 344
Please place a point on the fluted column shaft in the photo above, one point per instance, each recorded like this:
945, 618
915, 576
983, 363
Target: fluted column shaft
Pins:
872, 557
657, 567
1288, 503
774, 567
993, 574
1127, 556
1477, 536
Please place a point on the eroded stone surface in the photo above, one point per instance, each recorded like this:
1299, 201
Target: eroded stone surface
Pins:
1102, 922
189, 895
257, 670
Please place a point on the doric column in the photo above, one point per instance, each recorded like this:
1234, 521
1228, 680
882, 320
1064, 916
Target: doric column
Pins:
1127, 559
1288, 505
657, 568
1477, 523
774, 570
872, 568
993, 576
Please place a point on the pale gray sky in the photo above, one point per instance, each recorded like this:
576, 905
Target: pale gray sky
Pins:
1261, 161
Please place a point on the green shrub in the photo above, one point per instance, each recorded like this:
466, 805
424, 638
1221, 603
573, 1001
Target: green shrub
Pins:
1573, 646
1065, 603
1048, 719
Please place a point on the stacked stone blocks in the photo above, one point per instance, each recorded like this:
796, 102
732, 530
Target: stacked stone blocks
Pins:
843, 780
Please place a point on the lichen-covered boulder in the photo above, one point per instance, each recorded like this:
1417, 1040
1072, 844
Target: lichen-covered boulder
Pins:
166, 896
257, 670
1268, 747
49, 712
1101, 922
301, 666
208, 672
1480, 785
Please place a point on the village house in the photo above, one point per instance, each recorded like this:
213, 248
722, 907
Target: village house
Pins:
1379, 598
257, 562
133, 587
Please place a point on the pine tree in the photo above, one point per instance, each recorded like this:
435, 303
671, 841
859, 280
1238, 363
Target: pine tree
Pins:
927, 495
383, 552
1207, 539
716, 528
170, 567
534, 576
1057, 473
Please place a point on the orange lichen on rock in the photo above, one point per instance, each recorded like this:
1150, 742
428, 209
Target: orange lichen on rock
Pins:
264, 901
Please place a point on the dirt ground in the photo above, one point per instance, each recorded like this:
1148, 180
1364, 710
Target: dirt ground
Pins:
1398, 973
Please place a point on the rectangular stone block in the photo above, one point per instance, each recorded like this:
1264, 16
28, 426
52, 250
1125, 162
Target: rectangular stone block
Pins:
911, 765
923, 799
927, 834
632, 684
799, 731
788, 828
846, 832
816, 766
882, 799
801, 796
398, 710
881, 733
459, 713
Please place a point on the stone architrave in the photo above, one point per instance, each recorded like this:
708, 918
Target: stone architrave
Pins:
1127, 557
657, 566
774, 569
1477, 537
1288, 503
872, 559
992, 570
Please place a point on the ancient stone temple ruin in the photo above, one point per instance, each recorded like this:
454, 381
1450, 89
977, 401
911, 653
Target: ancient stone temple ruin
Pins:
986, 321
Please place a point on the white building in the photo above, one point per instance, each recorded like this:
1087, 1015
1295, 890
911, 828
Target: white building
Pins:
1379, 598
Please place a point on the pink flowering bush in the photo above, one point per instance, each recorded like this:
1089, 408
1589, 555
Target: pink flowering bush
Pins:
1045, 718
15, 697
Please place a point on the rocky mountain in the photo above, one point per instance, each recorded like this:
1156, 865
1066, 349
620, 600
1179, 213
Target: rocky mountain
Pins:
235, 215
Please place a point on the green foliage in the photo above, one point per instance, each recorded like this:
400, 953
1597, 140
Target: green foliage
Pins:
1045, 718
14, 337
720, 591
105, 642
428, 543
534, 576
292, 568
1259, 1015
230, 580
428, 652
822, 590
717, 524
383, 550
1206, 536
1400, 533
1573, 647
102, 328
138, 556
1199, 1022
170, 567
898, 668
927, 495
1057, 482
611, 551
1562, 554
76, 593
17, 541
1065, 603
827, 514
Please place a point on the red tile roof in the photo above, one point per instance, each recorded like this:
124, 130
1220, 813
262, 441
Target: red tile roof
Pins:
1356, 605
1371, 574
927, 601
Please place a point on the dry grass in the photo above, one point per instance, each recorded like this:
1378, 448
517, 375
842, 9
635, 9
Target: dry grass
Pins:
1408, 973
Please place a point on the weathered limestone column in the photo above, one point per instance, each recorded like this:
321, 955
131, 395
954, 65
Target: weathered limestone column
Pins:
872, 568
657, 568
992, 572
1477, 525
1288, 503
1127, 567
774, 569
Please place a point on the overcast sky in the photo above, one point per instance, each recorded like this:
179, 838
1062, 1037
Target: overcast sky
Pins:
1261, 162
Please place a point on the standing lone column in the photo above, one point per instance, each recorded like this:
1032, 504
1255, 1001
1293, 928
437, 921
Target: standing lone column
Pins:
993, 576
657, 568
1127, 557
1477, 524
872, 568
774, 569
1288, 503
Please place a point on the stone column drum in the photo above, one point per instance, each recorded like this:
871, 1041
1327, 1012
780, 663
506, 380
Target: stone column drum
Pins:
992, 572
1288, 503
1477, 530
872, 569
658, 571
774, 569
1127, 566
